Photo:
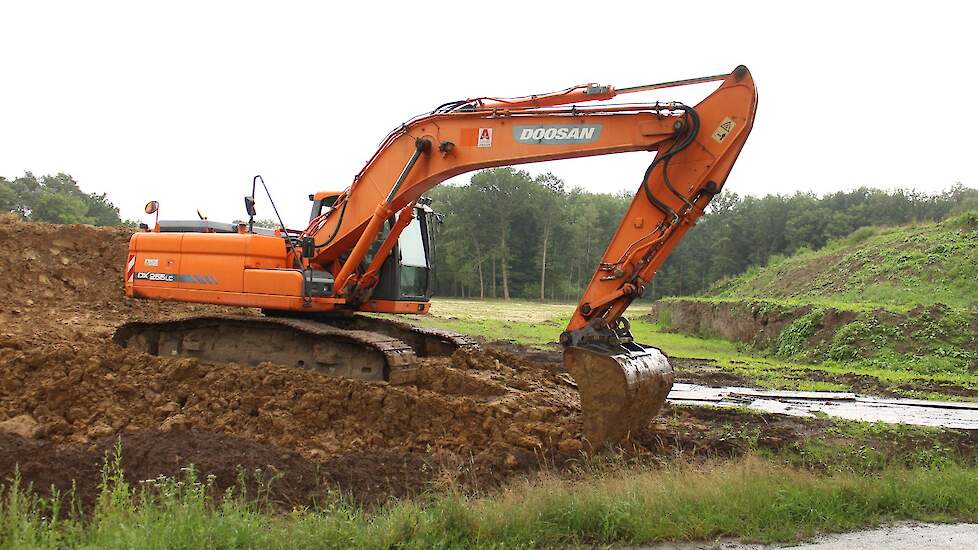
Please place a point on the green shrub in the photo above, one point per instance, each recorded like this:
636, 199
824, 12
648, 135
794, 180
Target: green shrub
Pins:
967, 221
792, 339
861, 235
863, 337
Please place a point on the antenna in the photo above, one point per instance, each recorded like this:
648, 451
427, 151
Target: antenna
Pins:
254, 183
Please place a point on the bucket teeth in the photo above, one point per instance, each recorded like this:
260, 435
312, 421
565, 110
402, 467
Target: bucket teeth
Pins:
622, 388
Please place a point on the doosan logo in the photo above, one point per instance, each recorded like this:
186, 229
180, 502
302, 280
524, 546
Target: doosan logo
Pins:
557, 134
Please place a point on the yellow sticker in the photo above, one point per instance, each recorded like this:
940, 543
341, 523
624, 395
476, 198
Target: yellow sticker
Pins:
723, 130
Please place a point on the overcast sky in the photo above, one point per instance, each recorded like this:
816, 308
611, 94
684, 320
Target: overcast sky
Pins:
183, 102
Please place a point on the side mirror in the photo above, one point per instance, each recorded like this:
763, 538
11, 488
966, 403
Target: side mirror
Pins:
151, 207
250, 206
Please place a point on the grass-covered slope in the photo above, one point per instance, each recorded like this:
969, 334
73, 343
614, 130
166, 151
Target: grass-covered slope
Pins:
898, 305
898, 267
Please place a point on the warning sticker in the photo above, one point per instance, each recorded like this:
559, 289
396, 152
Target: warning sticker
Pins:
485, 137
723, 130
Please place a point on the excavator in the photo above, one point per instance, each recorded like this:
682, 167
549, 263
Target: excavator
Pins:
369, 247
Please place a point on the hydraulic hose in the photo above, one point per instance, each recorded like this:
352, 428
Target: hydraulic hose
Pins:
336, 229
694, 128
684, 142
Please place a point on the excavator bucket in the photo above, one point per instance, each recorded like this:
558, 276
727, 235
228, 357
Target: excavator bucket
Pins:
622, 388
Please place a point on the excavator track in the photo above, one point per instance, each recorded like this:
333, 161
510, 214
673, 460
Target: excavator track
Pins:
426, 342
352, 347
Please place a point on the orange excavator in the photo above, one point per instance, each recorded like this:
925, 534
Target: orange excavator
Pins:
368, 248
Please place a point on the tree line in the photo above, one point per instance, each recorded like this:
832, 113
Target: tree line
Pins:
508, 234
55, 199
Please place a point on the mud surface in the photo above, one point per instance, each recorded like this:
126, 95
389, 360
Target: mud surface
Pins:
705, 371
708, 373
475, 420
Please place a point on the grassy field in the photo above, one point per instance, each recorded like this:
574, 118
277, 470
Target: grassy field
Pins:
500, 310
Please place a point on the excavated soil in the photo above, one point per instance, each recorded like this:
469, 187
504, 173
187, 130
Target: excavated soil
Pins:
475, 420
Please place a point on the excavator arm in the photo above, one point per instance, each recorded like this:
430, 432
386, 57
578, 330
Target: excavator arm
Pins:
622, 383
485, 133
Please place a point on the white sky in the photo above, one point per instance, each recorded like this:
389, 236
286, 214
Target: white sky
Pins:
183, 102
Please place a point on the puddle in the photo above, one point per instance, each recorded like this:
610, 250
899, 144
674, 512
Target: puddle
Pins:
851, 406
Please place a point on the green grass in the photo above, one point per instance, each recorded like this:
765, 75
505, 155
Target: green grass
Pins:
539, 334
527, 323
867, 448
543, 332
500, 310
752, 498
507, 320
781, 383
895, 267
795, 302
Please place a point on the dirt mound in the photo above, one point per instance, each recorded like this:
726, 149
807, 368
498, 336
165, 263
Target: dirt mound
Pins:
57, 280
43, 263
88, 388
481, 415
288, 478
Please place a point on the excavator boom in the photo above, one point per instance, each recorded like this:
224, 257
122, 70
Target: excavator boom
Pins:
342, 261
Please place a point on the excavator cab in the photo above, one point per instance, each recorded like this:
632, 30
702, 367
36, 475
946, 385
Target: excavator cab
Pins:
407, 272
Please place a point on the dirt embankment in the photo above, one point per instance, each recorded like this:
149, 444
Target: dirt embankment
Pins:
754, 322
931, 338
821, 332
